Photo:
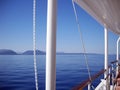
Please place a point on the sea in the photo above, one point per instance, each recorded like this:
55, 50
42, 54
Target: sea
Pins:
17, 71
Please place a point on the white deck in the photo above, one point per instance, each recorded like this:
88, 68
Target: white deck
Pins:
102, 86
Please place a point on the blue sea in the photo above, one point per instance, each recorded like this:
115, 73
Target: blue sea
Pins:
17, 71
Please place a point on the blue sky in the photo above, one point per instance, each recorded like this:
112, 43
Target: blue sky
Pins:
16, 28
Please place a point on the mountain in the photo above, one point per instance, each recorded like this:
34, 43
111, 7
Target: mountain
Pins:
7, 52
38, 52
30, 52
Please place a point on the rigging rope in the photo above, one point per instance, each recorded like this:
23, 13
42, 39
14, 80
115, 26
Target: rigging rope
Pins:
81, 38
34, 42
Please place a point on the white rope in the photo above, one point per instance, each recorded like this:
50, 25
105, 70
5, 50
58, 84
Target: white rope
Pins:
81, 38
34, 42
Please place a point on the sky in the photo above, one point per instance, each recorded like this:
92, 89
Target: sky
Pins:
16, 28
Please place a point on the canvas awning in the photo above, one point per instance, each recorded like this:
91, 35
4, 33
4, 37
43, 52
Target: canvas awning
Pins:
106, 12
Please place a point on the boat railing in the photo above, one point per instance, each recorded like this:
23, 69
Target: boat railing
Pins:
111, 75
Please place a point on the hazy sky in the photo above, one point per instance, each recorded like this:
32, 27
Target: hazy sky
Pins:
16, 27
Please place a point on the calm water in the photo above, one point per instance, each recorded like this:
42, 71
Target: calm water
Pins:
17, 72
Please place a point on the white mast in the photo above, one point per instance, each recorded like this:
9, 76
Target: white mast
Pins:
51, 46
117, 55
106, 56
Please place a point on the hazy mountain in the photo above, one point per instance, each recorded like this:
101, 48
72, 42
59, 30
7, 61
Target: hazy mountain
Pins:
7, 52
38, 52
30, 52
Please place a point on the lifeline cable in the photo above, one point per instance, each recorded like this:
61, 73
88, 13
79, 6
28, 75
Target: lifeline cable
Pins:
81, 38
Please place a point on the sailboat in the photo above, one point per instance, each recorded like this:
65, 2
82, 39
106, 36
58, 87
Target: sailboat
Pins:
107, 13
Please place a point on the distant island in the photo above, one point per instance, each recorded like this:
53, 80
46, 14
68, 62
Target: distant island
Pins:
38, 52
28, 52
7, 52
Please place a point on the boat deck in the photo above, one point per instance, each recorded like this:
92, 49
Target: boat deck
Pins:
112, 79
